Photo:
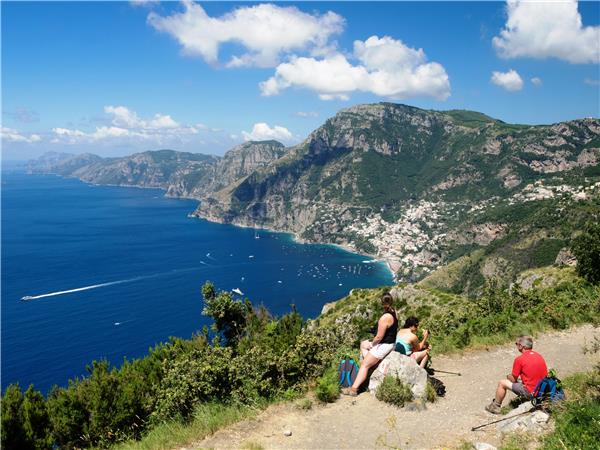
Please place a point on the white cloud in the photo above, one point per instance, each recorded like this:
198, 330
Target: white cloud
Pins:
12, 135
126, 124
536, 81
23, 115
266, 31
307, 114
125, 118
591, 82
388, 69
263, 132
68, 132
511, 80
145, 3
548, 30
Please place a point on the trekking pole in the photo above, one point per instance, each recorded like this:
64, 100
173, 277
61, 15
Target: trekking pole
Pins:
444, 371
501, 420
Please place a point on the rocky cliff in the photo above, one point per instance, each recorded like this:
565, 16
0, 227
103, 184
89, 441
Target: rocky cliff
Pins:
413, 185
416, 187
181, 174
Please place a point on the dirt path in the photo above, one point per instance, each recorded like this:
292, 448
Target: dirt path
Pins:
364, 422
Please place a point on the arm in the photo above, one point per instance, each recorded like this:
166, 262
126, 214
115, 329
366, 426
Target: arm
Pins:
384, 323
423, 344
516, 371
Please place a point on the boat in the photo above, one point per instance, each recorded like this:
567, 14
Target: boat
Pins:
237, 291
27, 297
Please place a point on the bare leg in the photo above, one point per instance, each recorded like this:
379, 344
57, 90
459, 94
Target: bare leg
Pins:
367, 363
364, 348
421, 357
503, 386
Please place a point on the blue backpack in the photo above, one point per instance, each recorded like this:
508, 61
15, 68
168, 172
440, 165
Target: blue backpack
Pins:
548, 388
347, 372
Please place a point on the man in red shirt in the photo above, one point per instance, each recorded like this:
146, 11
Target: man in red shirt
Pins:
529, 366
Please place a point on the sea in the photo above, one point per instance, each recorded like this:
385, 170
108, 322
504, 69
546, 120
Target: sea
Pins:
109, 272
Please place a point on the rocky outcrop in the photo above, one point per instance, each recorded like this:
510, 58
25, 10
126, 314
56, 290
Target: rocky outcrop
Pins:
403, 367
524, 419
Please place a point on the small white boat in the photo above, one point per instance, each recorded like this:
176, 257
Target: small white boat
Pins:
237, 291
27, 297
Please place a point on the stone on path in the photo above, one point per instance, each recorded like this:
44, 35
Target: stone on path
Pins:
405, 368
533, 422
483, 446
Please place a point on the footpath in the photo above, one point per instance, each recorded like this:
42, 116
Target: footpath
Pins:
366, 423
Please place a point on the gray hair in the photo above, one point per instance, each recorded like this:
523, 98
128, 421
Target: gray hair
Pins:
525, 341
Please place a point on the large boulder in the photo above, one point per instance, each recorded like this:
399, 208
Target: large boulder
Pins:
404, 368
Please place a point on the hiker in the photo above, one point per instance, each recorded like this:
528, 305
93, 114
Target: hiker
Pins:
382, 344
529, 366
407, 342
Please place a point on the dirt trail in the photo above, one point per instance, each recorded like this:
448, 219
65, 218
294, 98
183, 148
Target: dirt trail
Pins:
364, 422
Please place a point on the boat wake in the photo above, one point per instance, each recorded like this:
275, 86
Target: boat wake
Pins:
101, 285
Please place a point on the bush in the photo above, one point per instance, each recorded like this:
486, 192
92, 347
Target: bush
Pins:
392, 390
25, 423
328, 388
197, 376
586, 248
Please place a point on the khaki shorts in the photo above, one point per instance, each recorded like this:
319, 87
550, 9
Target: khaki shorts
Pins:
380, 351
520, 390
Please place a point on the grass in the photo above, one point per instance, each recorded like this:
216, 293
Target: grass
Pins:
207, 418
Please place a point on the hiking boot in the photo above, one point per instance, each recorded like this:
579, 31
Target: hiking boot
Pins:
493, 408
350, 392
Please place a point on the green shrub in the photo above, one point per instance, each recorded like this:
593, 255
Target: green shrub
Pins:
328, 388
25, 422
392, 390
201, 375
430, 392
586, 248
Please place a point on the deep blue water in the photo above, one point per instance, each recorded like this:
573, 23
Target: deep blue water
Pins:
61, 235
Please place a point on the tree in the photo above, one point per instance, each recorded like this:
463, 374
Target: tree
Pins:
229, 315
13, 435
586, 248
25, 422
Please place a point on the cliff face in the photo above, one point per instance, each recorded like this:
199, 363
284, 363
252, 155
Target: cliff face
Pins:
376, 157
180, 174
411, 185
236, 164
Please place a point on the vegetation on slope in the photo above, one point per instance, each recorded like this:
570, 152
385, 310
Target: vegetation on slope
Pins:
261, 358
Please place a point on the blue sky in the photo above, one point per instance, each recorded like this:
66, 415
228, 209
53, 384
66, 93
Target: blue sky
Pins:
114, 78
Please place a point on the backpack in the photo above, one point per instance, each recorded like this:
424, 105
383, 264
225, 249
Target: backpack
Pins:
347, 372
548, 388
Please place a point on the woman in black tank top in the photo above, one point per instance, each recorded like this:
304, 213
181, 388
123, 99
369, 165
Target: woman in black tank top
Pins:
375, 350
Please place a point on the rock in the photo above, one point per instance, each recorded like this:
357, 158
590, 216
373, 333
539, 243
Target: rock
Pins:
483, 446
534, 422
404, 368
327, 307
287, 433
565, 258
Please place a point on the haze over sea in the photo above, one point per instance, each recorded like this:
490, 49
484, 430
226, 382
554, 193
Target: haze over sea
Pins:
143, 262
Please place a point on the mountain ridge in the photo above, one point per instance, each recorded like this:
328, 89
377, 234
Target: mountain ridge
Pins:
415, 187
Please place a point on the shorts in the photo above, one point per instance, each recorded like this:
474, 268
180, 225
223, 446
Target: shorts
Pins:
380, 351
520, 390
